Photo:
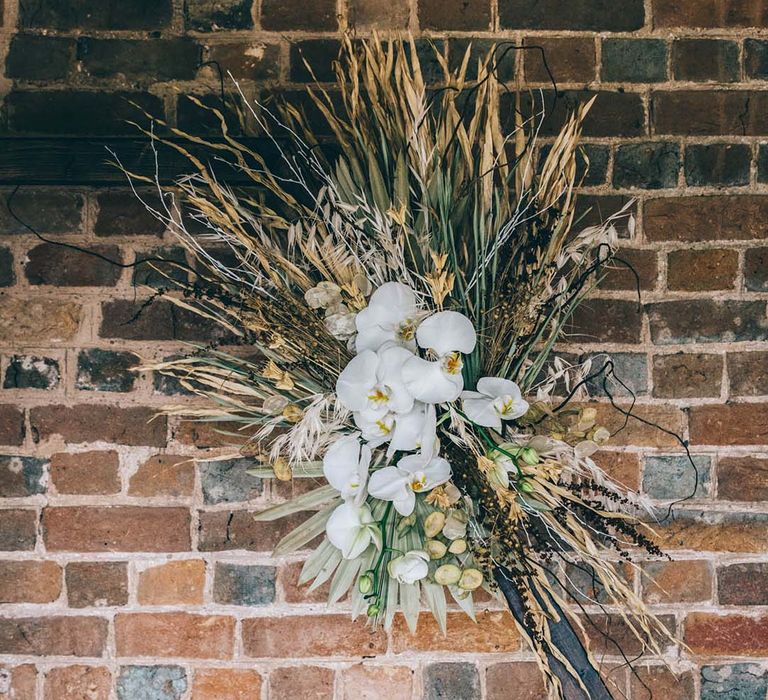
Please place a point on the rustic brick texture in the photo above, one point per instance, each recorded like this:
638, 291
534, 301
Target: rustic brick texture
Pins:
127, 568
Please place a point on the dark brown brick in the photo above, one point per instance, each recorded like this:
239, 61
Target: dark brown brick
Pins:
55, 265
743, 584
77, 112
22, 476
710, 218
278, 15
122, 213
88, 473
254, 60
237, 529
161, 320
155, 59
710, 113
717, 164
661, 682
33, 57
756, 270
609, 633
29, 581
742, 479
116, 529
756, 58
53, 636
313, 59
379, 14
216, 15
607, 321
685, 376
95, 14
702, 270
570, 60
588, 15
710, 13
619, 276
748, 373
96, 584
633, 60
11, 425
454, 14
106, 370
729, 424
707, 321
18, 529
46, 211
700, 60
90, 423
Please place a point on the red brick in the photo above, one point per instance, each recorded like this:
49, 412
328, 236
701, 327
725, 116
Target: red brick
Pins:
18, 529
726, 635
570, 60
707, 218
524, 676
742, 478
175, 634
713, 533
199, 434
729, 424
96, 583
710, 13
33, 321
164, 475
288, 580
22, 681
619, 276
661, 682
116, 529
609, 633
223, 530
494, 632
306, 682
174, 583
11, 425
743, 584
367, 682
89, 423
78, 683
702, 270
635, 433
298, 636
622, 467
226, 684
687, 375
710, 113
677, 582
29, 581
53, 636
748, 373
88, 473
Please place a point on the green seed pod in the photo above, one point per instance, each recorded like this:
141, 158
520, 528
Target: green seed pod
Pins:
433, 523
525, 485
447, 574
470, 579
365, 584
436, 549
458, 546
530, 456
373, 610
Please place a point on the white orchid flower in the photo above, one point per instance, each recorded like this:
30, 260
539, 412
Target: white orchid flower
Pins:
346, 465
495, 400
351, 528
375, 429
391, 316
409, 567
447, 334
413, 474
372, 383
403, 431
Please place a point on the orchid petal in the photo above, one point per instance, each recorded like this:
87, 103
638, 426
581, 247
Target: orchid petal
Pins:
481, 411
426, 381
496, 386
446, 332
347, 529
438, 471
408, 430
356, 380
406, 504
388, 484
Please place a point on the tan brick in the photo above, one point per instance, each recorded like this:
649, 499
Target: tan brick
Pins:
368, 681
57, 635
677, 582
37, 320
226, 684
29, 581
164, 475
87, 473
78, 683
175, 634
21, 685
173, 583
742, 478
524, 676
306, 682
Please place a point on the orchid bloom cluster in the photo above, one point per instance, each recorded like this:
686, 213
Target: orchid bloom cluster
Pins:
408, 362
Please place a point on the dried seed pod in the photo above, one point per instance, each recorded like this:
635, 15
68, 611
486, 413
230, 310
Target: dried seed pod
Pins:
282, 469
458, 546
436, 549
433, 523
470, 579
447, 574
455, 525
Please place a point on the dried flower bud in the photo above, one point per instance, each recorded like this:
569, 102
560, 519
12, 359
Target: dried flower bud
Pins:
585, 448
406, 524
433, 523
447, 574
458, 546
436, 549
292, 413
470, 579
601, 435
455, 525
282, 469
365, 584
322, 295
274, 404
453, 493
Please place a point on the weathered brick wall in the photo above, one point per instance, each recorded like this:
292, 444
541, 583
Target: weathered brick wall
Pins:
125, 566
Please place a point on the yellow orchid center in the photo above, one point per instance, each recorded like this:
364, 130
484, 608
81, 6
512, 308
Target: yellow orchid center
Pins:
407, 330
452, 363
378, 395
418, 481
385, 428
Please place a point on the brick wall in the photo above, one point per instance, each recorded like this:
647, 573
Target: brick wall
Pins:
126, 566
